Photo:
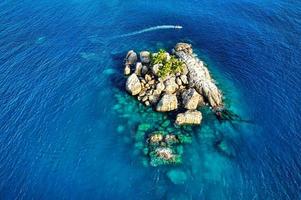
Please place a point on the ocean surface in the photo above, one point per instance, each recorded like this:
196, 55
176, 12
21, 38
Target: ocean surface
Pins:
61, 68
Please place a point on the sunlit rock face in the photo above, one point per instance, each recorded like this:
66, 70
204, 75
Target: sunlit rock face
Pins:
189, 118
167, 103
133, 85
199, 76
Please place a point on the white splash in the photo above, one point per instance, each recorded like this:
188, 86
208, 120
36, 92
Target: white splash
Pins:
148, 30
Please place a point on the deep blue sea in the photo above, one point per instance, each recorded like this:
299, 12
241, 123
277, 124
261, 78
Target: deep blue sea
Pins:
61, 67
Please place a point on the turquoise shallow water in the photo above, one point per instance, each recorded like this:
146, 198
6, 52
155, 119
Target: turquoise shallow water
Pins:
61, 69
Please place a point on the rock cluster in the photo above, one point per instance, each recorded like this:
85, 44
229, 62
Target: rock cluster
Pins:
188, 89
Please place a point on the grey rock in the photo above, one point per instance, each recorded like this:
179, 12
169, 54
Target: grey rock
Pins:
190, 99
144, 69
145, 57
131, 57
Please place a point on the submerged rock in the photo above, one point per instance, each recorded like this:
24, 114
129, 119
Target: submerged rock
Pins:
225, 148
133, 85
164, 156
177, 176
155, 138
171, 139
168, 102
189, 118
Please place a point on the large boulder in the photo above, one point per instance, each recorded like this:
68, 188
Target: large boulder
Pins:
145, 57
211, 93
190, 99
170, 85
131, 57
133, 85
167, 103
189, 118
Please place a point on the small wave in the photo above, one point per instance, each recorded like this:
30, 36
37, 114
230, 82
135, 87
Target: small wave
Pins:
148, 30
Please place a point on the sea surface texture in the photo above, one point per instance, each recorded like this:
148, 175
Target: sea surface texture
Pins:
64, 135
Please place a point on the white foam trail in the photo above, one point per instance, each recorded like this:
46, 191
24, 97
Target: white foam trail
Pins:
148, 30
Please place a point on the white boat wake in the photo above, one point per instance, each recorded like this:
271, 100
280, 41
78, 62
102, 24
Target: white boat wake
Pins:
148, 30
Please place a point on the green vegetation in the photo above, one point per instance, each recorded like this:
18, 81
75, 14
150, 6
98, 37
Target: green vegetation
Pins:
168, 64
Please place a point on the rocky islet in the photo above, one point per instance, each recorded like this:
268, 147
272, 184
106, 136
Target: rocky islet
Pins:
185, 89
177, 83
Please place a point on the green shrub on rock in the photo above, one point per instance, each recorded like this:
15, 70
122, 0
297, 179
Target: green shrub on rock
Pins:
169, 64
